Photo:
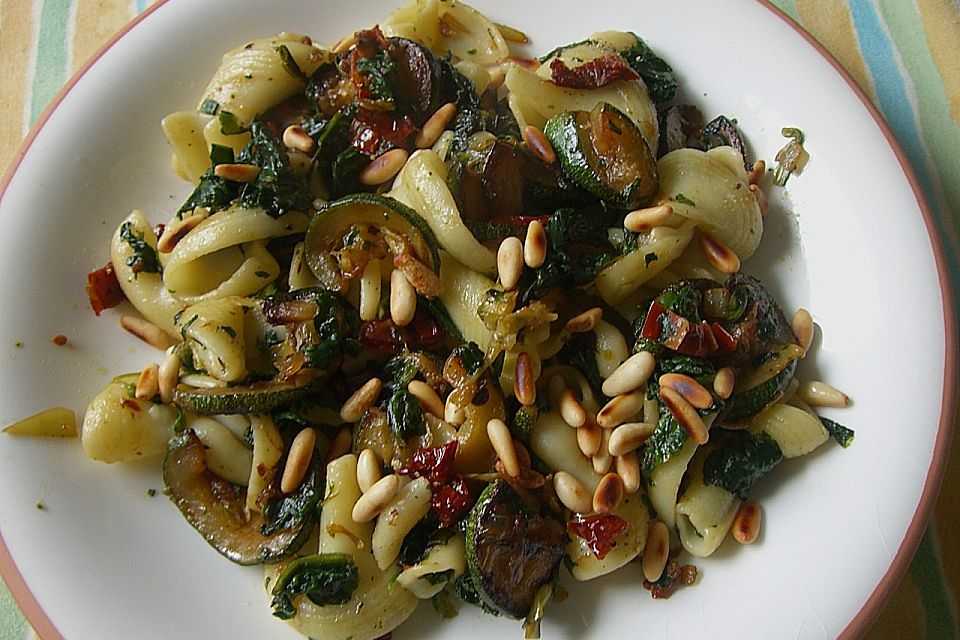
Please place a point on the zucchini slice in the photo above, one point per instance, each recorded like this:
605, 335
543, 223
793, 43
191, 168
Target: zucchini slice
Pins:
262, 398
344, 234
604, 152
217, 509
513, 548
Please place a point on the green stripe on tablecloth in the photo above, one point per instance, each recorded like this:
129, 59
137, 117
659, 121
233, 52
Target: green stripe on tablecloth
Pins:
50, 68
788, 7
939, 610
12, 624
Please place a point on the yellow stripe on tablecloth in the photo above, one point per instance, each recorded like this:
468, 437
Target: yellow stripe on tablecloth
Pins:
941, 24
902, 617
15, 17
829, 22
97, 21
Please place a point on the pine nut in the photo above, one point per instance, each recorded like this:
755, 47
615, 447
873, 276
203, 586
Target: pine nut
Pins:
820, 394
584, 322
535, 245
383, 167
621, 408
168, 375
427, 397
723, 382
174, 232
296, 138
368, 469
403, 299
510, 262
685, 414
512, 35
147, 331
761, 197
361, 400
646, 219
237, 172
633, 373
720, 255
452, 413
370, 290
656, 551
746, 524
340, 445
588, 439
756, 173
538, 144
571, 493
298, 460
524, 384
609, 494
376, 498
602, 460
628, 468
629, 436
148, 384
571, 410
691, 390
435, 125
502, 443
423, 279
802, 325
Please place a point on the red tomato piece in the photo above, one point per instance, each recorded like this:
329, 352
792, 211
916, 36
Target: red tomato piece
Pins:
592, 74
451, 502
651, 324
103, 289
698, 341
373, 133
434, 463
726, 343
382, 337
600, 531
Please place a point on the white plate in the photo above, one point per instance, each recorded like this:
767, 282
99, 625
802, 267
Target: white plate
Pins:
104, 560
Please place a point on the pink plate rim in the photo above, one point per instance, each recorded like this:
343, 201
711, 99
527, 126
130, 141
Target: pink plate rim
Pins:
870, 610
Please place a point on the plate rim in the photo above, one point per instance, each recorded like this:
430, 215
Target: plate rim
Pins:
871, 608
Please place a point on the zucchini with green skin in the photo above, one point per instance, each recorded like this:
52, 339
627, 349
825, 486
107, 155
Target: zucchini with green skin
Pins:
604, 152
261, 398
513, 548
399, 226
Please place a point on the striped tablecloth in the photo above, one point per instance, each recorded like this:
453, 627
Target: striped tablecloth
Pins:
905, 54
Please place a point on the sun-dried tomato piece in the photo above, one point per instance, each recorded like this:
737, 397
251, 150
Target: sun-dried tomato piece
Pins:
382, 337
373, 133
452, 501
425, 333
433, 463
600, 531
651, 324
103, 289
674, 576
726, 343
699, 341
592, 74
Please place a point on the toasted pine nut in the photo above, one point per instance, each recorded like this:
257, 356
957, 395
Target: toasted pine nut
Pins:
340, 445
691, 390
724, 381
756, 173
820, 394
571, 410
403, 299
453, 414
629, 436
685, 414
502, 443
147, 331
423, 279
524, 383
148, 384
645, 219
572, 493
589, 437
368, 469
802, 325
435, 125
427, 397
720, 255
376, 498
361, 400
609, 494
621, 408
761, 197
628, 468
602, 460
510, 262
512, 35
538, 144
383, 167
296, 138
746, 524
584, 322
630, 375
237, 172
656, 551
174, 232
298, 459
168, 375
535, 245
